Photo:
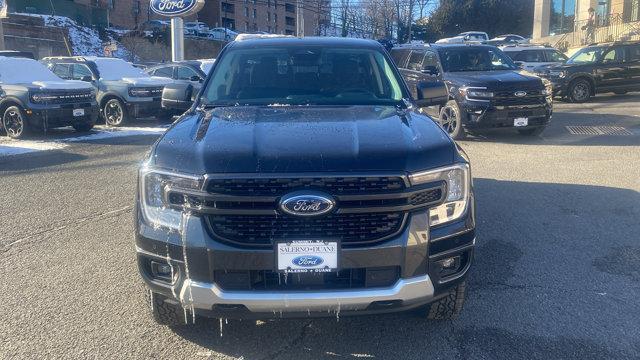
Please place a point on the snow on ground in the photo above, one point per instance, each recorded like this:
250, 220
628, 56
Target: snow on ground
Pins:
10, 147
84, 41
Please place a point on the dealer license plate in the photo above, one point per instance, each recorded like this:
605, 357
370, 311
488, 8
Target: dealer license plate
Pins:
78, 112
305, 256
521, 121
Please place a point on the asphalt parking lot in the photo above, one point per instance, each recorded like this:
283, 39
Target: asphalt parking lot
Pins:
556, 273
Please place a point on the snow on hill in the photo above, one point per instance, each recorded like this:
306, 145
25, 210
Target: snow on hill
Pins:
84, 41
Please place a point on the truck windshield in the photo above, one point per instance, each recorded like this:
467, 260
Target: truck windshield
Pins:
116, 69
303, 76
586, 55
475, 59
24, 71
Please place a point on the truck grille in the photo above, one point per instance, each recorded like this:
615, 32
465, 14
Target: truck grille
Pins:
280, 186
246, 211
508, 98
261, 230
67, 97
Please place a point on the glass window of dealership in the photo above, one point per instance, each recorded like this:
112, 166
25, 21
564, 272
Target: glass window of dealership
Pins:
556, 17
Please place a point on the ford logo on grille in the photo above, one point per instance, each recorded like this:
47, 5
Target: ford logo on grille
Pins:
520, 93
307, 260
307, 203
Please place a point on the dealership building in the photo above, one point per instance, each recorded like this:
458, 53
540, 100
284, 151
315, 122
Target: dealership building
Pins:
565, 23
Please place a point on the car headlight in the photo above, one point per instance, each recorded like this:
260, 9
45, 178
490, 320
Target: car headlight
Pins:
560, 74
145, 91
42, 97
476, 93
458, 180
154, 185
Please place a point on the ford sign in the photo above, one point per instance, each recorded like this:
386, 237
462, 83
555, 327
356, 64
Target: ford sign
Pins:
520, 93
306, 204
307, 261
176, 7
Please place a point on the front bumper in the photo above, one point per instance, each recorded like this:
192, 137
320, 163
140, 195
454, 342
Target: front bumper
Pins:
50, 116
144, 108
413, 291
488, 116
416, 252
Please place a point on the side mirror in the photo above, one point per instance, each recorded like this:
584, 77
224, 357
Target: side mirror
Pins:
431, 93
430, 70
196, 78
86, 78
519, 64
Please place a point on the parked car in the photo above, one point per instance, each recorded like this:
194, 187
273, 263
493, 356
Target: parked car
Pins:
530, 57
196, 28
223, 34
486, 90
599, 68
33, 99
304, 183
469, 36
186, 80
508, 39
124, 92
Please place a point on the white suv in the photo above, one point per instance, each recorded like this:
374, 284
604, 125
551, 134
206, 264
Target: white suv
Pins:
530, 57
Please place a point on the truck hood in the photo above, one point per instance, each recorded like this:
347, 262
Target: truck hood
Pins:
147, 81
62, 85
495, 80
287, 139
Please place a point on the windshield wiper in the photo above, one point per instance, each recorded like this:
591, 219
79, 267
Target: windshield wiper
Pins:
208, 106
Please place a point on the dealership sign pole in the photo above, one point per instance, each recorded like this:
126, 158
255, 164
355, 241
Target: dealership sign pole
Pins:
176, 10
3, 14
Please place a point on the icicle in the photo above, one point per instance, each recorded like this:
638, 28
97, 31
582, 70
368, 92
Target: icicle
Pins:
183, 235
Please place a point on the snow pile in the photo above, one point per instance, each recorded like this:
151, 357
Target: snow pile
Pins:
84, 41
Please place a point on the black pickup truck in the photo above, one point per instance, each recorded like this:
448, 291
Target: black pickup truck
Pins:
33, 99
486, 90
304, 182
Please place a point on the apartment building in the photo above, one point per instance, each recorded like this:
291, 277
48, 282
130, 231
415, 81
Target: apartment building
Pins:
272, 16
565, 23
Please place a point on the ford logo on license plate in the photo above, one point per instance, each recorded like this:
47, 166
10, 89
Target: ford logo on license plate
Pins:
307, 261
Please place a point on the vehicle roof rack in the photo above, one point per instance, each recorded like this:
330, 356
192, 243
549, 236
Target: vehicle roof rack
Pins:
242, 37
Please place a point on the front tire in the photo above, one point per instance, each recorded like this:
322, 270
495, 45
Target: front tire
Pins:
450, 120
165, 313
579, 91
14, 122
114, 113
450, 306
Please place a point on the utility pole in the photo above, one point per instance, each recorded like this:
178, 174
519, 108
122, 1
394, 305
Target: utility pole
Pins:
299, 19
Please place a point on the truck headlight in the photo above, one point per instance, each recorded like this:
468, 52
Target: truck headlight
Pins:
476, 93
458, 186
153, 188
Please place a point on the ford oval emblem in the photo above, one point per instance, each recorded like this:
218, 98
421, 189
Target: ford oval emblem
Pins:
176, 7
307, 260
306, 203
520, 93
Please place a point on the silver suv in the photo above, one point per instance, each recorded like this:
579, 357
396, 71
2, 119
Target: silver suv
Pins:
124, 92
